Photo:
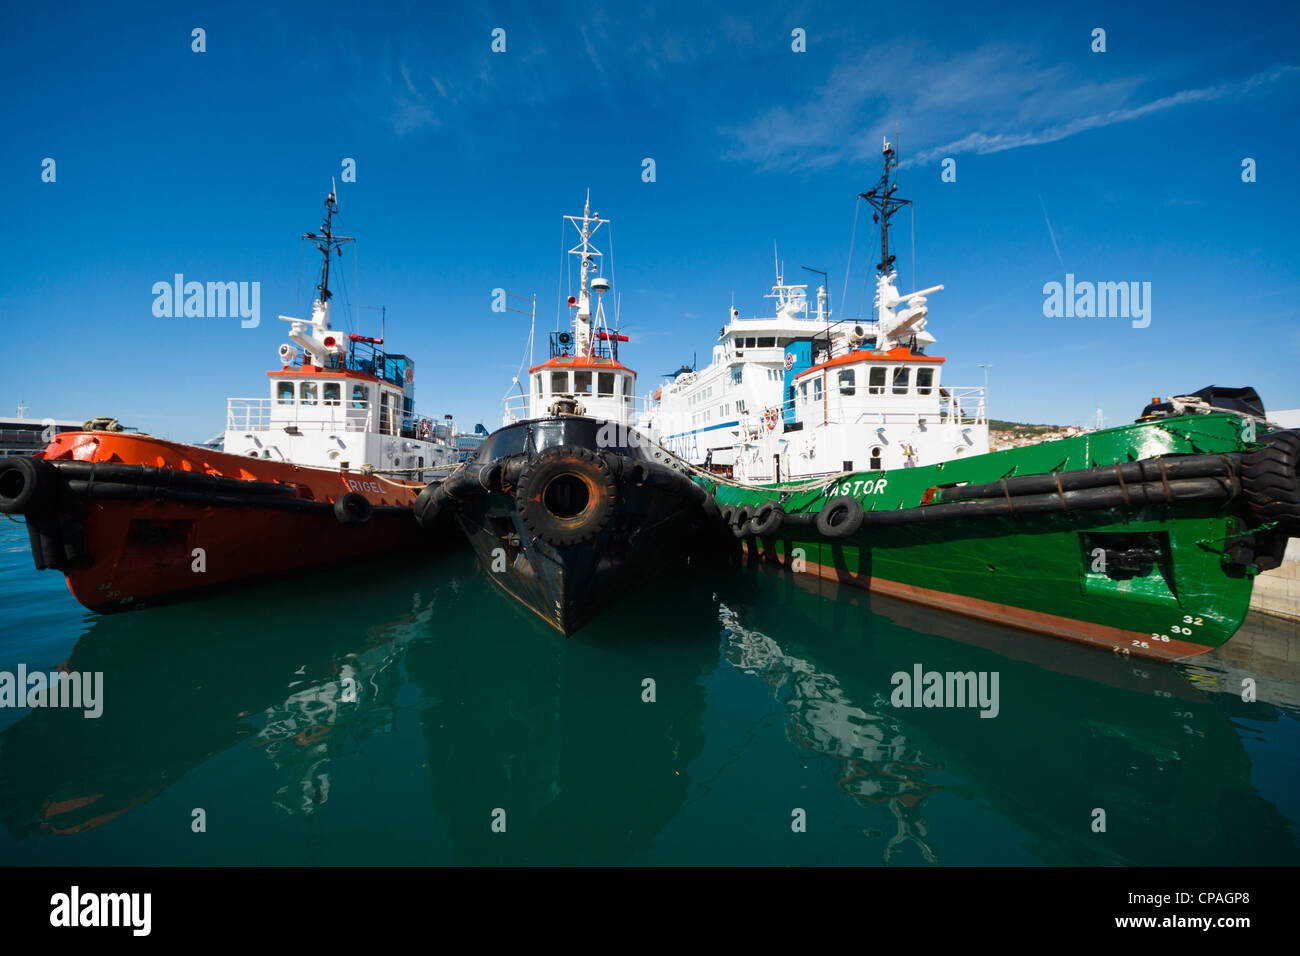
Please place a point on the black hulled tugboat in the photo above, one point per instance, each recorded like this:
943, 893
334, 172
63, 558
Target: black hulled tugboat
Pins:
569, 506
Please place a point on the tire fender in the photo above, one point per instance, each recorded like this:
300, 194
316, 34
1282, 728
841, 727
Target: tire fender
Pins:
740, 520
353, 510
1270, 478
768, 519
24, 483
560, 478
841, 518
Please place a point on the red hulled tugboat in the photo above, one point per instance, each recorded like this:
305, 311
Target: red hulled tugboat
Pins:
131, 519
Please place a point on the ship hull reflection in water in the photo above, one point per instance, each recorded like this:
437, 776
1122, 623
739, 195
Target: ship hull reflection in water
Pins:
180, 696
588, 759
1153, 745
395, 727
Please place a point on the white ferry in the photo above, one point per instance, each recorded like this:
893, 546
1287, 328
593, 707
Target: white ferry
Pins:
799, 395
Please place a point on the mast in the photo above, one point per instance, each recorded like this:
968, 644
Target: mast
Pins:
327, 242
894, 328
587, 226
885, 203
584, 307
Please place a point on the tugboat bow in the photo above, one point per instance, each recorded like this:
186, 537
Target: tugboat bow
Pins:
569, 506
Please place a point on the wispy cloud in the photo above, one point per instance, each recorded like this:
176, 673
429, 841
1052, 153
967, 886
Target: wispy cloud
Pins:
980, 142
999, 90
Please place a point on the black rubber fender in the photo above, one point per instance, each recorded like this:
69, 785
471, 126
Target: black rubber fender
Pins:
841, 518
43, 535
661, 476
635, 472
427, 505
740, 520
768, 519
616, 463
474, 479
712, 513
511, 469
353, 510
24, 484
1270, 478
562, 478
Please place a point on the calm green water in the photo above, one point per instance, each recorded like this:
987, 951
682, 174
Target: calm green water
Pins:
768, 700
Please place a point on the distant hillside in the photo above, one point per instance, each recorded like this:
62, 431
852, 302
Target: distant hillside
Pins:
1004, 434
1021, 428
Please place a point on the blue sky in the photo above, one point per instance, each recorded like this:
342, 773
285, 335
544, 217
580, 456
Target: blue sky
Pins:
214, 164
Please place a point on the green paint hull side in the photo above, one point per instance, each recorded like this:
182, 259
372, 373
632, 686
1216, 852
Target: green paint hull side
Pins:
1034, 571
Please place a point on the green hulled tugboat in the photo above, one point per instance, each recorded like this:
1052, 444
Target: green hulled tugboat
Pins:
1143, 538
568, 506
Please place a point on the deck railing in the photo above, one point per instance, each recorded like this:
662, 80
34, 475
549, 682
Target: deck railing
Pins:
959, 405
515, 408
963, 405
264, 414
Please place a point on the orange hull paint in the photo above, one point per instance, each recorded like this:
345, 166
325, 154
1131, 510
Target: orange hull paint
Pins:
144, 550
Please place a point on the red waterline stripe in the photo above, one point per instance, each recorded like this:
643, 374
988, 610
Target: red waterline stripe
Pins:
1052, 625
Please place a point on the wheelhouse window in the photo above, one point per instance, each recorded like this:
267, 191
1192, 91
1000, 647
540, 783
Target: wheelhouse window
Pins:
817, 390
901, 375
737, 374
847, 380
582, 383
559, 383
924, 381
876, 381
284, 393
358, 396
332, 393
537, 380
605, 384
307, 393
767, 342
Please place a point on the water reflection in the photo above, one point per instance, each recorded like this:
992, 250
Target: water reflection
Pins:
877, 765
184, 683
415, 695
1155, 746
585, 769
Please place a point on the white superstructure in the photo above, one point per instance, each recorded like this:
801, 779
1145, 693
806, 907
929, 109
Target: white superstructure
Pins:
583, 371
346, 404
798, 395
703, 414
